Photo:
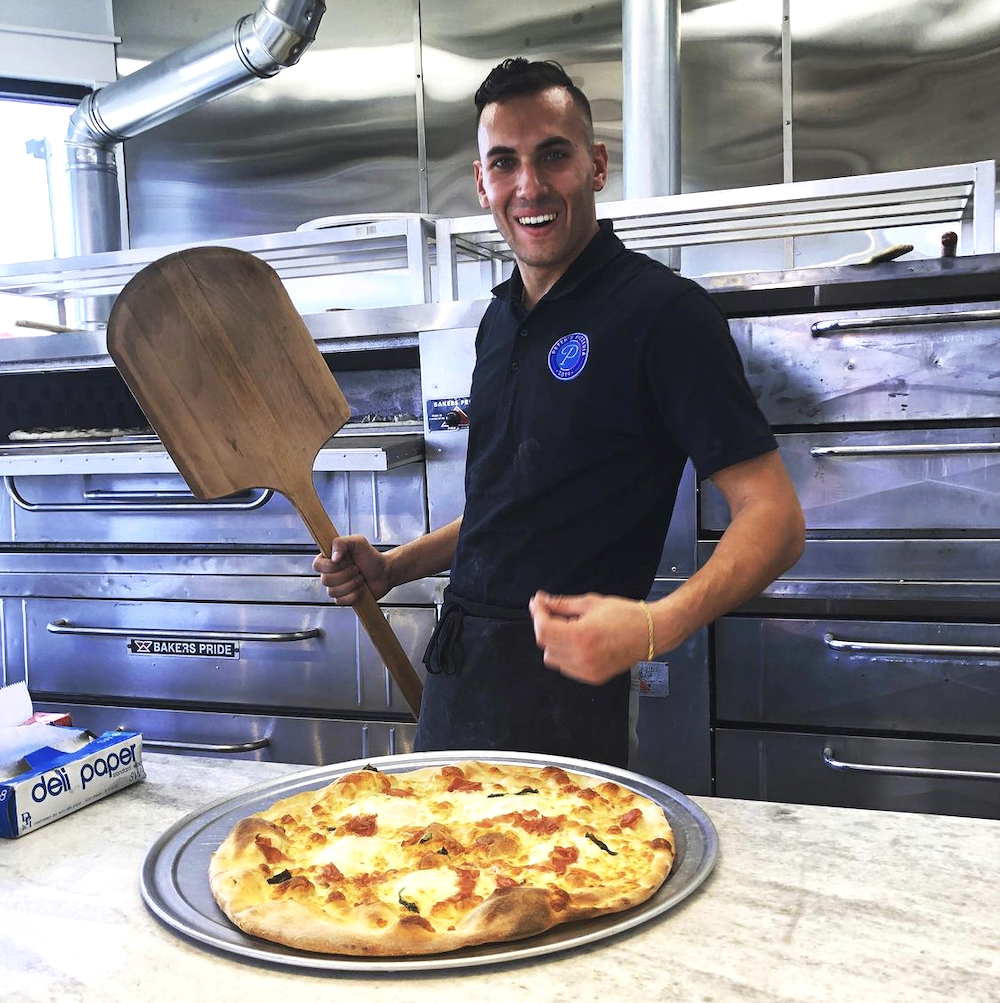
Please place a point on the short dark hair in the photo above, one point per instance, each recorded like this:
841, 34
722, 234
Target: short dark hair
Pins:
516, 77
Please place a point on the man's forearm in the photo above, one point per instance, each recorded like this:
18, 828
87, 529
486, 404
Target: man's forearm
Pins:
426, 555
763, 540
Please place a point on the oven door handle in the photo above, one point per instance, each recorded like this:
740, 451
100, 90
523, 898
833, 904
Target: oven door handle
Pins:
830, 761
155, 743
139, 501
824, 328
889, 647
67, 627
908, 449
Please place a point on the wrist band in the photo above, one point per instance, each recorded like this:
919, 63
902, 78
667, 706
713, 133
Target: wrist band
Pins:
649, 629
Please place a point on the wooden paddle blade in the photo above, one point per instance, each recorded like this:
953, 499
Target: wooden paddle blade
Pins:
230, 378
225, 369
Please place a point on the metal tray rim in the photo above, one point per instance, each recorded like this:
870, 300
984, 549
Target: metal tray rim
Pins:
167, 849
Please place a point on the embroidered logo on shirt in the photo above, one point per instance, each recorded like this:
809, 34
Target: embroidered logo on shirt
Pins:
568, 356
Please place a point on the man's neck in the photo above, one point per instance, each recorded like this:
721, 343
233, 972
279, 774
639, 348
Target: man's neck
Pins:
537, 282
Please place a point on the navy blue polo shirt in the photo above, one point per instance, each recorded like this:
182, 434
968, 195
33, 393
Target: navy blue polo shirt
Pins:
582, 414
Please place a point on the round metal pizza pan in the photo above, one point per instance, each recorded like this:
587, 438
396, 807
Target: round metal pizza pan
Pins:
174, 874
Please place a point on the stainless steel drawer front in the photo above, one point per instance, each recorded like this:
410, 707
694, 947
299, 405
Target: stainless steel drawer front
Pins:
916, 480
302, 657
952, 778
939, 678
311, 741
387, 506
874, 365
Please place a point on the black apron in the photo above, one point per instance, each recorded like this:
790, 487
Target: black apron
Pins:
488, 688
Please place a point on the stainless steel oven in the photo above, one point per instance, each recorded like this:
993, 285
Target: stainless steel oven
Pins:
870, 675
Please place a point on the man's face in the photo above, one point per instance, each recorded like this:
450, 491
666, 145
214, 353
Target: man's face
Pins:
537, 173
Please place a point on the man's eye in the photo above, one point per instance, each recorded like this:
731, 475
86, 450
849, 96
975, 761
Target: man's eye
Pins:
555, 154
503, 164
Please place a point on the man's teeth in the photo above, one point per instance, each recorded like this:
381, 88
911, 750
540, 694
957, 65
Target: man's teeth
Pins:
535, 220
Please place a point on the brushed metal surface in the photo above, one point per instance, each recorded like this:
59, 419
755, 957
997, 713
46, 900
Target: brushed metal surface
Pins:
334, 136
886, 482
174, 875
789, 766
332, 667
307, 740
876, 564
944, 370
890, 85
387, 506
790, 672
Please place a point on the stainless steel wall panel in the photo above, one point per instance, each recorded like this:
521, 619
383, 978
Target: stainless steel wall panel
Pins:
334, 134
911, 480
933, 362
311, 741
731, 116
783, 766
387, 506
891, 85
859, 674
79, 647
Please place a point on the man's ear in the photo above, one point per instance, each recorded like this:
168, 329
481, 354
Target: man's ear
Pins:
600, 166
477, 167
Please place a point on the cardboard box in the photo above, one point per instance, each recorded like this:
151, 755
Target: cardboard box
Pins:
57, 783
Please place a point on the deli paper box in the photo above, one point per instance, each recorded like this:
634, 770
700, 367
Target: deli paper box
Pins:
56, 783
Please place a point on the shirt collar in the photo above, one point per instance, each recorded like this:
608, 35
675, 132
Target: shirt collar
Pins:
603, 248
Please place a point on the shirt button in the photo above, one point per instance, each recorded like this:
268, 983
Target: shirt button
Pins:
523, 332
514, 366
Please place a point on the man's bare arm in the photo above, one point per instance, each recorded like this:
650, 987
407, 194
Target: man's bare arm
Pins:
764, 538
593, 638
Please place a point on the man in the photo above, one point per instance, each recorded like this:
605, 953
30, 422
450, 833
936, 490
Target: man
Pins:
598, 372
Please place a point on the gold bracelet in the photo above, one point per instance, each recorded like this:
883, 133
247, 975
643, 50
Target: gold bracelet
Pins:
649, 629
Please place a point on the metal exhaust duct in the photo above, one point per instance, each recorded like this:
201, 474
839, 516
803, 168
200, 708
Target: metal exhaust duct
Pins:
651, 101
258, 46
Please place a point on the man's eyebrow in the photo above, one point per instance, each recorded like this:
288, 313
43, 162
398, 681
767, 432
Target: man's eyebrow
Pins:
545, 144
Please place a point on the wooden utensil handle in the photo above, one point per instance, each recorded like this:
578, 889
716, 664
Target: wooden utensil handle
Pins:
323, 531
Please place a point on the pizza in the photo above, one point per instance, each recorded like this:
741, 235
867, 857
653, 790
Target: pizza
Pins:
440, 858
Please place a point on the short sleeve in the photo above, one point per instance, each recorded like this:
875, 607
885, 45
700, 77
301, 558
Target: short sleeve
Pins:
699, 388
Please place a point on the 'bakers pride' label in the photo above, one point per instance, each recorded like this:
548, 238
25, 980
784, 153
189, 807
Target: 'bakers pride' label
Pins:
198, 647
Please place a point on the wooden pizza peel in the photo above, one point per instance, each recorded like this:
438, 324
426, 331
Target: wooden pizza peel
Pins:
227, 373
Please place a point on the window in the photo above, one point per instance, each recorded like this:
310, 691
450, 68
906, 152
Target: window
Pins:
33, 122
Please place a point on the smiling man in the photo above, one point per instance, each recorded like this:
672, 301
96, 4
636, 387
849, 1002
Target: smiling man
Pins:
598, 373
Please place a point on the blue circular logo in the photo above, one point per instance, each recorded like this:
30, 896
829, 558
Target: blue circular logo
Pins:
568, 356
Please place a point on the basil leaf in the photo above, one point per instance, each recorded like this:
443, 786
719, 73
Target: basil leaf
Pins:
409, 906
280, 878
603, 846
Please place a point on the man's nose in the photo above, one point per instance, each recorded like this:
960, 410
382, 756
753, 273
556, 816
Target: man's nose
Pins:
530, 182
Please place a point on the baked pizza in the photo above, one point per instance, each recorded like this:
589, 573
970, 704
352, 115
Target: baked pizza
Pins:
440, 858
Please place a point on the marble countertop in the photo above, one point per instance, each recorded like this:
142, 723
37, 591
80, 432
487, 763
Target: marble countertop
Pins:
805, 904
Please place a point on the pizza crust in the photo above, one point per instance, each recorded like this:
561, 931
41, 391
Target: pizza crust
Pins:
294, 912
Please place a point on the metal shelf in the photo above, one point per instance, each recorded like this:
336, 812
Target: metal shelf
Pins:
350, 450
962, 194
348, 244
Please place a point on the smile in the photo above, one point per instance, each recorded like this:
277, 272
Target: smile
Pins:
549, 217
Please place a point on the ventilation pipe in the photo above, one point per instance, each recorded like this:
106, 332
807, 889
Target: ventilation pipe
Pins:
258, 46
651, 101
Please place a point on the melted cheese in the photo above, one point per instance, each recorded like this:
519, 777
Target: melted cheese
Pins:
424, 888
351, 854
